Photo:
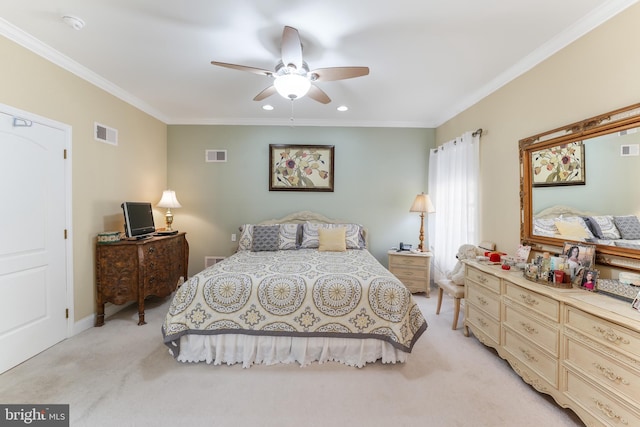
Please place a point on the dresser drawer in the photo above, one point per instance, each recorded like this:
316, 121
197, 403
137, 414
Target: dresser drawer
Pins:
489, 281
611, 335
603, 370
543, 335
539, 303
483, 323
409, 261
483, 299
531, 356
605, 408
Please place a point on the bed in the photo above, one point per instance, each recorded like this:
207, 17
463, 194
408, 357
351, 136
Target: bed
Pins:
300, 289
564, 222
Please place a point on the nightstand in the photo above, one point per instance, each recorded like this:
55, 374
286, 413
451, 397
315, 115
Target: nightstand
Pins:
413, 269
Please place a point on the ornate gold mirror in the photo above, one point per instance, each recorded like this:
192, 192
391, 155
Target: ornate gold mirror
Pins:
580, 174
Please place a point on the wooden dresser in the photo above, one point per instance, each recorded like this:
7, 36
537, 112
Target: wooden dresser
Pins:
134, 270
412, 268
580, 347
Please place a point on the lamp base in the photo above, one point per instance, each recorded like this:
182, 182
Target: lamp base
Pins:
168, 218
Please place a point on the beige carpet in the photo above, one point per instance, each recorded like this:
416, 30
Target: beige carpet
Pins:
122, 375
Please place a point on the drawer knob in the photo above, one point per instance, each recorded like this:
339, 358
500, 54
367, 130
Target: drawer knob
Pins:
530, 357
482, 301
608, 411
610, 335
528, 328
481, 279
482, 322
527, 299
609, 374
152, 249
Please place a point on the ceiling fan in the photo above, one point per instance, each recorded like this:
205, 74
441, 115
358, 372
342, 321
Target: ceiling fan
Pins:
292, 78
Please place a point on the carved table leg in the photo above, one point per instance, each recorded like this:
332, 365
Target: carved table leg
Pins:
100, 315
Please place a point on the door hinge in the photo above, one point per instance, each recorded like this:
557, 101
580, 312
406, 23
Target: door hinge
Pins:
65, 234
66, 313
65, 153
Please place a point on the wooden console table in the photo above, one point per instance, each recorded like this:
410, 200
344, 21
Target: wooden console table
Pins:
132, 270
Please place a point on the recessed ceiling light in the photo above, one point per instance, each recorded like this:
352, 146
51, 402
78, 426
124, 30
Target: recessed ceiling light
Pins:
74, 22
342, 108
267, 107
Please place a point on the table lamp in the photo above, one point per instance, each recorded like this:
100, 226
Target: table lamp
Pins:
422, 204
169, 200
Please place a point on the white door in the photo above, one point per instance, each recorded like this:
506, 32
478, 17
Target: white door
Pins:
33, 217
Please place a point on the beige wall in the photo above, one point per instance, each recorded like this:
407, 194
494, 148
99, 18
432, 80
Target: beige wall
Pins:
599, 72
378, 173
103, 175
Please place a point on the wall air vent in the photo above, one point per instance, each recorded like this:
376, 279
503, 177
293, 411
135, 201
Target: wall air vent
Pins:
215, 156
105, 134
630, 150
211, 260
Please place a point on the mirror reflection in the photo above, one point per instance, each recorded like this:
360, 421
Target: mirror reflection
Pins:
584, 187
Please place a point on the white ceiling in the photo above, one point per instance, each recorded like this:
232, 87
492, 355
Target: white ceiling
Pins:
429, 59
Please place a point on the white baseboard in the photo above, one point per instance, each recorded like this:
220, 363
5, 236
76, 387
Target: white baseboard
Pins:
90, 321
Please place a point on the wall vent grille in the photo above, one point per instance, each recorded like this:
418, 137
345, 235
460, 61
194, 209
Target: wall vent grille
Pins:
105, 134
630, 150
211, 260
215, 156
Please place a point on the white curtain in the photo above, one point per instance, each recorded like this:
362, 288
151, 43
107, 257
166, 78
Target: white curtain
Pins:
453, 189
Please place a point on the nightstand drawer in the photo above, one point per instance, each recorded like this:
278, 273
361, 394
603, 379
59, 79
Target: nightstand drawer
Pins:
409, 273
400, 261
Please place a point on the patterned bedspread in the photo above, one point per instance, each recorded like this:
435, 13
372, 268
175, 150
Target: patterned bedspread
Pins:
303, 293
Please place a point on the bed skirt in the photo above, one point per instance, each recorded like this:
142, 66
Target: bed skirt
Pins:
270, 350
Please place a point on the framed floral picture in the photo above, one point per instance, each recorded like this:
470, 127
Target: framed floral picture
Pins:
558, 165
301, 167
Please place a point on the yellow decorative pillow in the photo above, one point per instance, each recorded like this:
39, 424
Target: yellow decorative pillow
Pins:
571, 229
332, 239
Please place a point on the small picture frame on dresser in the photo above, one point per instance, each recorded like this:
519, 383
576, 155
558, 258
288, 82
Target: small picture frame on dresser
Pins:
589, 278
636, 302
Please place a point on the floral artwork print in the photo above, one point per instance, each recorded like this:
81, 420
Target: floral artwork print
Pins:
304, 168
559, 165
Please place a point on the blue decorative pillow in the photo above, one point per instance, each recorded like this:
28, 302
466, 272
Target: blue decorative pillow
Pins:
265, 238
629, 226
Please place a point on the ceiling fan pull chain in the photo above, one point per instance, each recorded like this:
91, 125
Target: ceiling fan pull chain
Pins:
291, 118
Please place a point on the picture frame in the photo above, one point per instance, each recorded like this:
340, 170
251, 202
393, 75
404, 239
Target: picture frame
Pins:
585, 257
588, 281
301, 167
558, 165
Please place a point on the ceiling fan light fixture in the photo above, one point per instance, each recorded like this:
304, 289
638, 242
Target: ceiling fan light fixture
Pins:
292, 86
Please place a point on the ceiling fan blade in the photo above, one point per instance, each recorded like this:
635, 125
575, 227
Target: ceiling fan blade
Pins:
318, 94
291, 47
253, 70
265, 93
337, 73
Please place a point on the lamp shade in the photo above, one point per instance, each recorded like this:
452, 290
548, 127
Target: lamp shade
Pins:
292, 86
169, 200
422, 203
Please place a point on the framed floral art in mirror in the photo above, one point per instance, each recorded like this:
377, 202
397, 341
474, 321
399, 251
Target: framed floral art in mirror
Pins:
558, 165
